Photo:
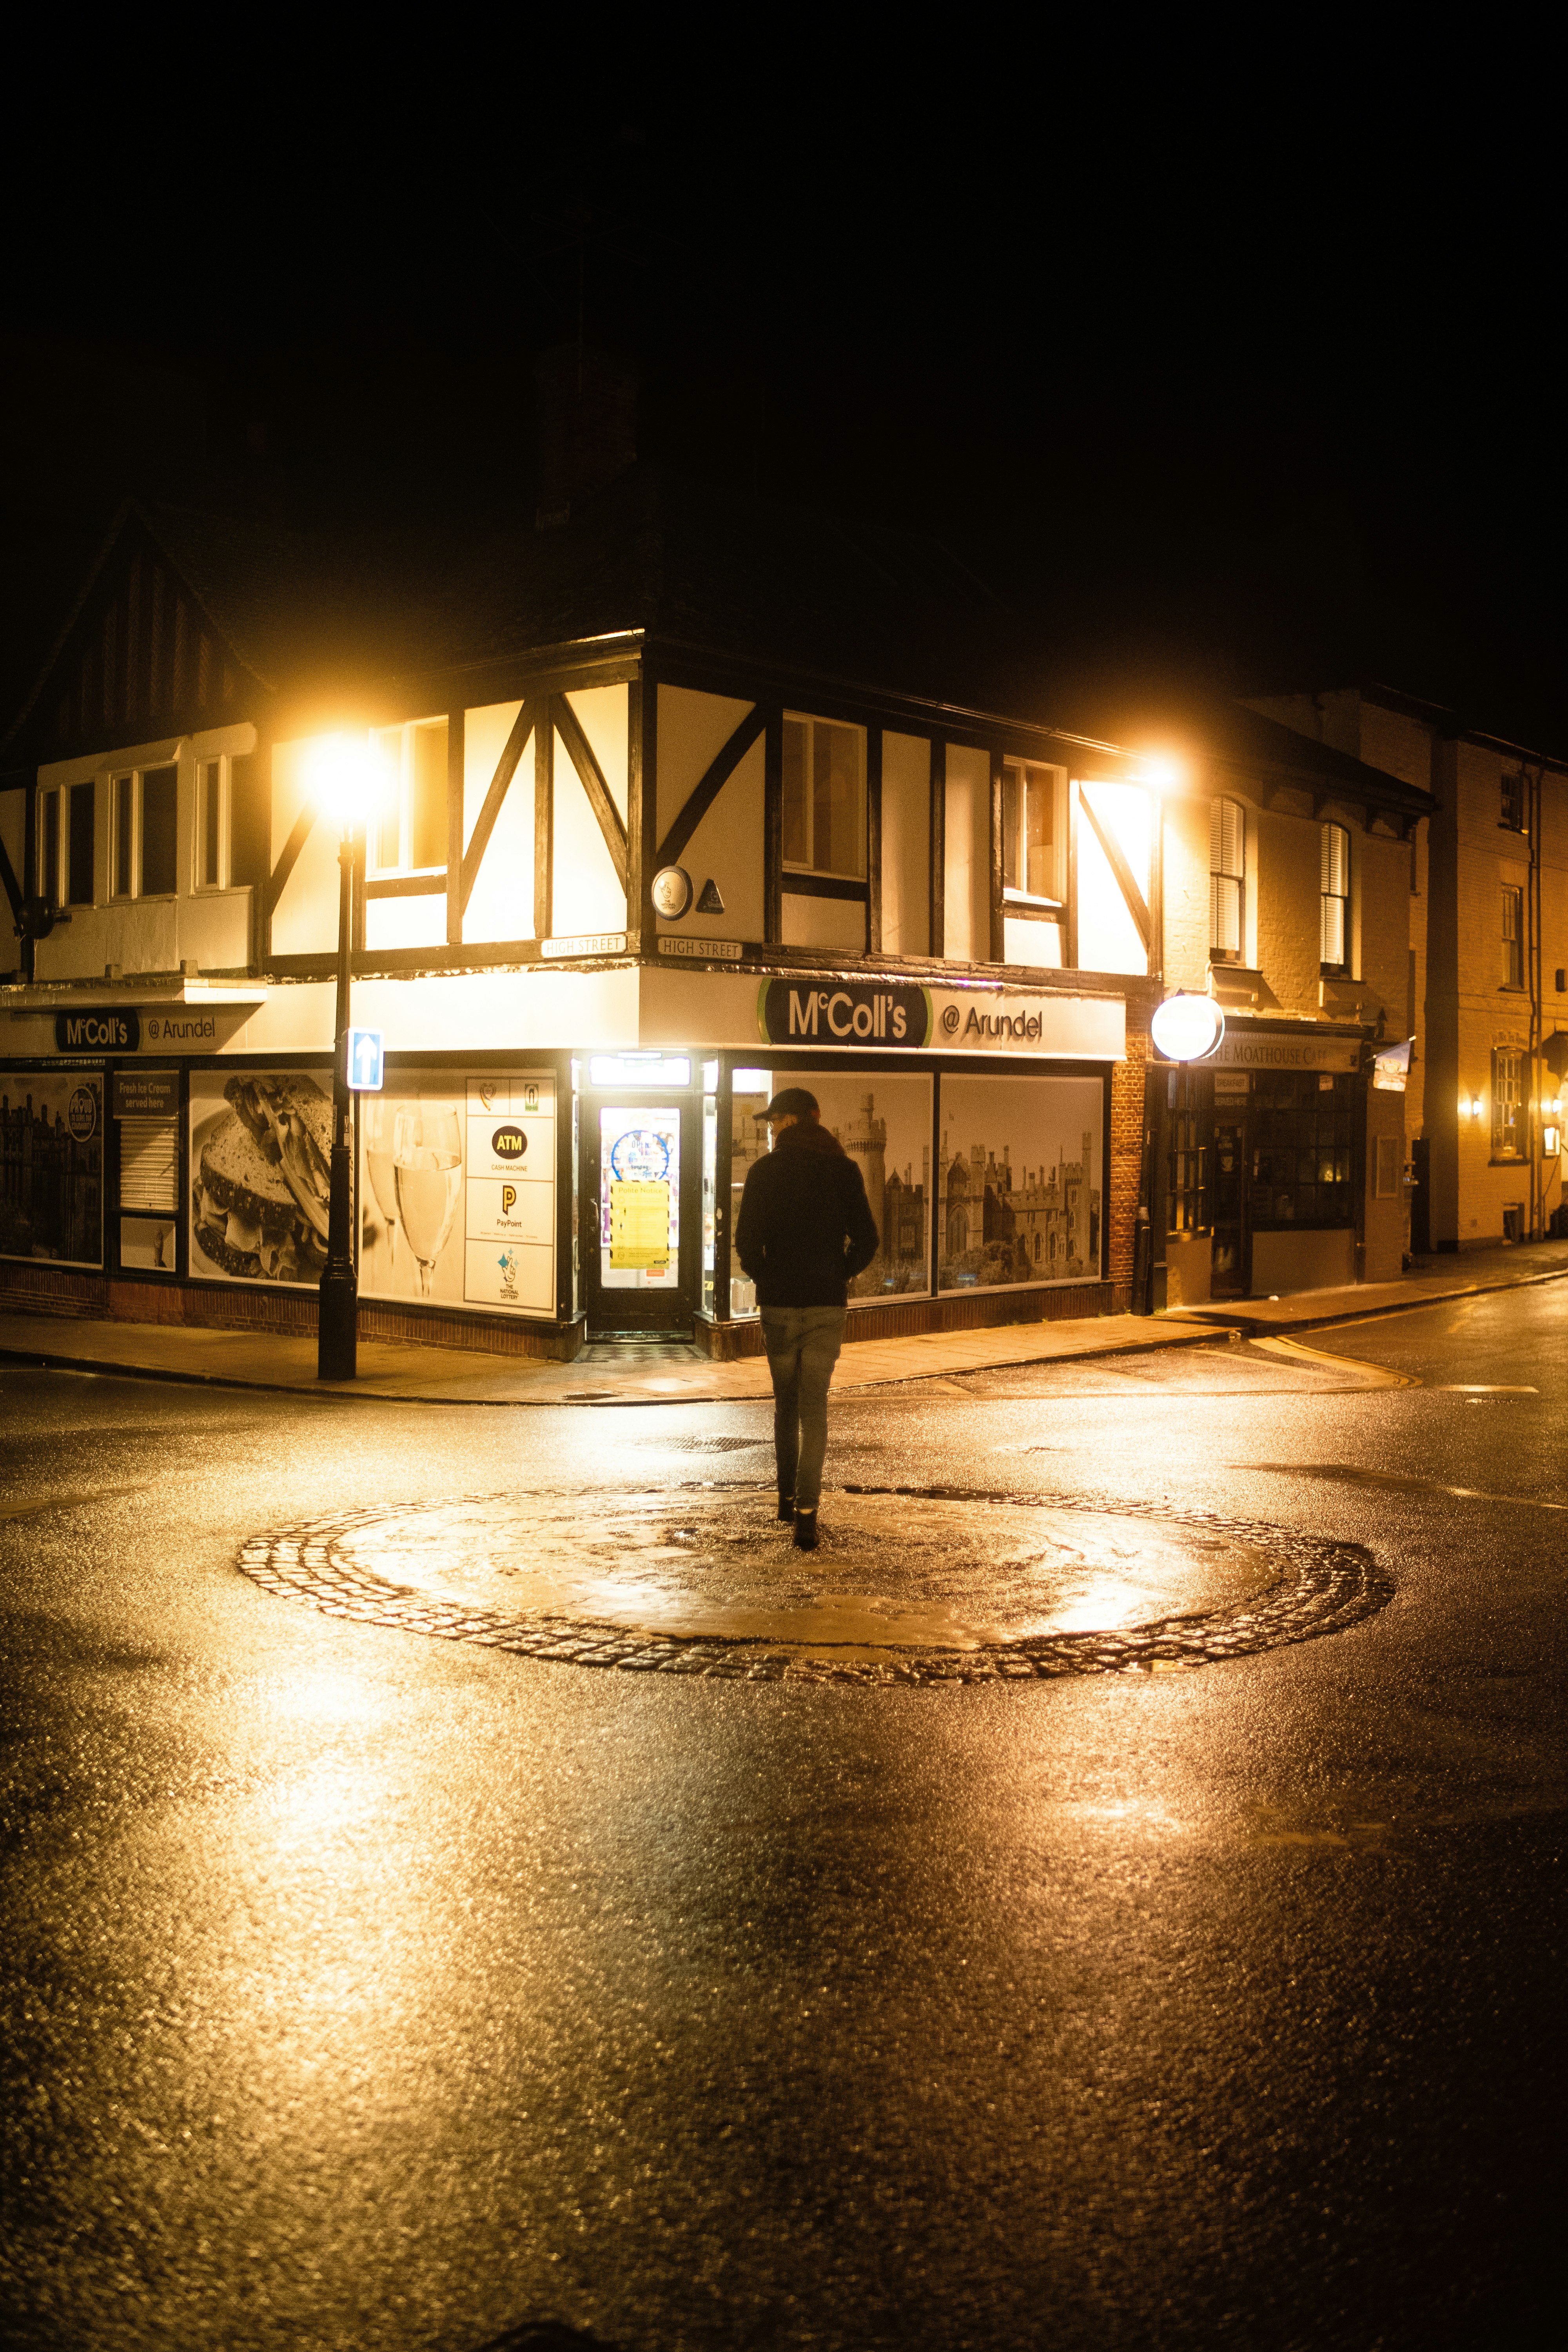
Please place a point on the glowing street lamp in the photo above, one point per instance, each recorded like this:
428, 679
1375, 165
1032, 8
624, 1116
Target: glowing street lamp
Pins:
348, 787
1186, 1027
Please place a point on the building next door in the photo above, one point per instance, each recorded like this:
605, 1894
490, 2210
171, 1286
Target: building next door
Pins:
642, 1166
1230, 1268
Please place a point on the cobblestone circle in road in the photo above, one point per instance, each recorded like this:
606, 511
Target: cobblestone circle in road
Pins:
1306, 1587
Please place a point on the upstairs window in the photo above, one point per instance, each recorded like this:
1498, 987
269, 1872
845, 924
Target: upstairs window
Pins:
1032, 830
1228, 879
1512, 935
214, 791
143, 808
410, 834
1513, 803
1507, 1125
1335, 897
824, 798
66, 846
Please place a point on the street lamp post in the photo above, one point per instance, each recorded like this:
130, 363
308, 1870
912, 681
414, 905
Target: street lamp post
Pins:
347, 789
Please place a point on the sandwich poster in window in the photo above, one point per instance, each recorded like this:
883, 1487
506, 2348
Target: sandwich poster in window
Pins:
457, 1191
261, 1146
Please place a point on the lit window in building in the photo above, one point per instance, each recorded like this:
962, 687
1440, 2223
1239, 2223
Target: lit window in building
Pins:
1334, 898
824, 798
1228, 878
141, 825
1508, 1126
1512, 935
1186, 1164
410, 836
211, 824
1031, 830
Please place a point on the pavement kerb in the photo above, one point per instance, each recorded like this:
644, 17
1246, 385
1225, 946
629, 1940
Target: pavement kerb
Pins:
1258, 1327
1197, 1326
50, 1359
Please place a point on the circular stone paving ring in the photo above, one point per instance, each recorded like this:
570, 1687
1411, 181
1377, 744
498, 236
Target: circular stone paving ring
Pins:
911, 1584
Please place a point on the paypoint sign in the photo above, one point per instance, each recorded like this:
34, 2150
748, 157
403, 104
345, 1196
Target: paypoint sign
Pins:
843, 1013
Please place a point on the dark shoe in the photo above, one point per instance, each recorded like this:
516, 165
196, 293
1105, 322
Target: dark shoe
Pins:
787, 1508
806, 1531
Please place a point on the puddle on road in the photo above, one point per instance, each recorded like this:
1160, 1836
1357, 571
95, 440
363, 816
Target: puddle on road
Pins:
892, 1571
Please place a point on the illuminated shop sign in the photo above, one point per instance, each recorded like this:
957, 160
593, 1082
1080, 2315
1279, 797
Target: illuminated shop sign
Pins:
843, 1013
98, 1032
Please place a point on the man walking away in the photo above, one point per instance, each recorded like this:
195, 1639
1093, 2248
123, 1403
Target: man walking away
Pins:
804, 1231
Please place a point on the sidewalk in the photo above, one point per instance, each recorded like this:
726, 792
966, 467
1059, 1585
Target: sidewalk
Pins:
405, 1372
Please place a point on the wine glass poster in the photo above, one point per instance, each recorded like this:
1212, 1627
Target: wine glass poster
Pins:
457, 1191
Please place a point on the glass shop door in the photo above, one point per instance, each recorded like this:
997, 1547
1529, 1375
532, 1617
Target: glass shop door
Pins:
642, 1166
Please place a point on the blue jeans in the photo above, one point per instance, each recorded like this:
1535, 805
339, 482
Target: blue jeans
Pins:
803, 1344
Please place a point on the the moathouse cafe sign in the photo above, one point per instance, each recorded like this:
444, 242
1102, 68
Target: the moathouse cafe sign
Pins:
878, 1014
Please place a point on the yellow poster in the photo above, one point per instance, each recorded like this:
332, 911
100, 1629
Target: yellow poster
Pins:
639, 1225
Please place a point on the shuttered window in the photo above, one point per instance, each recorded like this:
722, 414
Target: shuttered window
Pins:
1513, 936
149, 1163
1227, 877
1334, 889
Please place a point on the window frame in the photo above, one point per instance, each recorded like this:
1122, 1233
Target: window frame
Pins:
1056, 780
811, 720
1327, 967
134, 779
404, 729
1222, 873
1508, 1094
200, 886
1513, 962
1513, 802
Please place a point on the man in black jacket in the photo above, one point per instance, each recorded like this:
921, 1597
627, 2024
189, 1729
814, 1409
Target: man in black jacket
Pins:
804, 1231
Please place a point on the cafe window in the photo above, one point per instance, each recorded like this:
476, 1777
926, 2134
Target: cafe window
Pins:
409, 835
1032, 829
1228, 879
65, 844
1508, 1123
1186, 1158
1302, 1146
141, 819
824, 798
1335, 897
1512, 935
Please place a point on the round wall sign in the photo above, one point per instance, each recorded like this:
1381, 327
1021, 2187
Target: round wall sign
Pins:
1187, 1028
671, 892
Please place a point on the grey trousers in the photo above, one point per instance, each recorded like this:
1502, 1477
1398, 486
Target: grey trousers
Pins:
803, 1344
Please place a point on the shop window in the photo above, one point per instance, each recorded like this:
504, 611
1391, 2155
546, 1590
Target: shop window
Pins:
410, 834
1187, 1159
1507, 1125
141, 819
1335, 897
213, 812
1512, 935
1032, 829
65, 844
1301, 1149
1228, 879
1513, 803
824, 798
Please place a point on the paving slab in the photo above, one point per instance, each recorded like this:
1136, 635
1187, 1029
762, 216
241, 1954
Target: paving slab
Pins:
1430, 1281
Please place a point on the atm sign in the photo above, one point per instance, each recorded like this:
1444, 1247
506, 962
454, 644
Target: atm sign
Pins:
509, 1143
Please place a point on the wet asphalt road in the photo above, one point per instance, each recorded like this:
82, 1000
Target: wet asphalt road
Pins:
366, 1990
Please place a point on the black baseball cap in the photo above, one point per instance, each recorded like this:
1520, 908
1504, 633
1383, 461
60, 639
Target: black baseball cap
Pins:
793, 1103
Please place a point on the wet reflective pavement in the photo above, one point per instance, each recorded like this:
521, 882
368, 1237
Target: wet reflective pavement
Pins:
364, 1987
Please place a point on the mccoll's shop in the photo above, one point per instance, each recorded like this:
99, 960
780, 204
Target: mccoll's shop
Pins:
556, 1155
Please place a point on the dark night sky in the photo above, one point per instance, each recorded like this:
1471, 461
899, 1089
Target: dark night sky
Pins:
1277, 405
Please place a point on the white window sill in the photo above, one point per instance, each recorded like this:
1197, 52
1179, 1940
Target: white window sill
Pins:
1028, 899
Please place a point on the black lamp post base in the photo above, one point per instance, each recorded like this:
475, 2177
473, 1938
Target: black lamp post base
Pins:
337, 1331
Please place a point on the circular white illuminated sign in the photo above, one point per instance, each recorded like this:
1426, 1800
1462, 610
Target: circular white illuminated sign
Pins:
671, 892
1187, 1028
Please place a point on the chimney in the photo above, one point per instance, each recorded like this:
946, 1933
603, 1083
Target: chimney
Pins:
587, 415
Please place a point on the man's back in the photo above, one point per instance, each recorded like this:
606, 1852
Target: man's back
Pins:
806, 1228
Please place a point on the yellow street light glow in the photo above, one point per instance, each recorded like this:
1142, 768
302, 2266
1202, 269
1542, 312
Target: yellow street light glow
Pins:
1187, 1028
1161, 773
350, 782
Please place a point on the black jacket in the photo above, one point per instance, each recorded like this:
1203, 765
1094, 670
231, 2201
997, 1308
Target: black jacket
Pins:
806, 1227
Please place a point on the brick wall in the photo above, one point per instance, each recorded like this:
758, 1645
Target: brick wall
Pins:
1126, 1172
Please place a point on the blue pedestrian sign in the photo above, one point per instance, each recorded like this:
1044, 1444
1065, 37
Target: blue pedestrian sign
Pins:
366, 1059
